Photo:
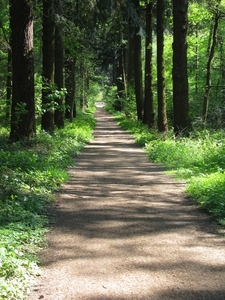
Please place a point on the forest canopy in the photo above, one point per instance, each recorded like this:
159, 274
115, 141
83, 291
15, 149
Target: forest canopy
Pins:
162, 60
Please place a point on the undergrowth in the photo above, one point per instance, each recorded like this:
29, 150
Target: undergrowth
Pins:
198, 159
30, 174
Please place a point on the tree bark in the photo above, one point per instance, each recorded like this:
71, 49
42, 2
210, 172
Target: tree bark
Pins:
120, 80
9, 84
73, 107
59, 67
209, 65
70, 64
23, 125
182, 122
138, 81
148, 117
130, 64
162, 116
48, 38
8, 41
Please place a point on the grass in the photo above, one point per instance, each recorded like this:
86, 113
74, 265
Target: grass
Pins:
30, 173
199, 160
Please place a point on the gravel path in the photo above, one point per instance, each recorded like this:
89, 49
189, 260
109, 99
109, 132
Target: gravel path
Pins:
124, 230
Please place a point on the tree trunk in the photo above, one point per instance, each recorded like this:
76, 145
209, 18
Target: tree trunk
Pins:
83, 87
130, 74
222, 62
196, 62
8, 41
120, 80
59, 67
9, 85
73, 108
162, 116
138, 81
70, 64
130, 64
148, 118
23, 125
182, 122
209, 65
48, 66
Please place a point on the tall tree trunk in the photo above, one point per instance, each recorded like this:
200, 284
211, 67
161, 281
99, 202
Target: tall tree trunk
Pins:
70, 82
148, 117
162, 116
82, 88
138, 81
23, 125
47, 122
120, 80
9, 73
209, 64
130, 64
130, 73
182, 122
59, 67
9, 84
196, 62
73, 107
222, 62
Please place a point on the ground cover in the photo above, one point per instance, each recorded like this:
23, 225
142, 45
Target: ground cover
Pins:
198, 159
30, 173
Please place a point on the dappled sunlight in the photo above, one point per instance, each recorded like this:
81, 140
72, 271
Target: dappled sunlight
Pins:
124, 230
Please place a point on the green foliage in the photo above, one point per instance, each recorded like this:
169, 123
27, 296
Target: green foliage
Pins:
18, 264
53, 94
209, 191
109, 95
199, 160
138, 129
198, 13
94, 94
129, 104
29, 174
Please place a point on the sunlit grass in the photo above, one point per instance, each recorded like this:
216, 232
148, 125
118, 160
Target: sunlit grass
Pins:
30, 174
199, 160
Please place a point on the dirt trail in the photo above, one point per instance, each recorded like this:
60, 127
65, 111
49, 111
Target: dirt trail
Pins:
124, 230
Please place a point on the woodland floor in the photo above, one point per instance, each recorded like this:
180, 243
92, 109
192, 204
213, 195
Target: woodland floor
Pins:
125, 230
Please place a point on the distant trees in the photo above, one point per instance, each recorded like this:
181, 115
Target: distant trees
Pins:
139, 46
134, 32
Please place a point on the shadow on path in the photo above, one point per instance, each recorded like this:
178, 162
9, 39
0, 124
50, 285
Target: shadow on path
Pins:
124, 230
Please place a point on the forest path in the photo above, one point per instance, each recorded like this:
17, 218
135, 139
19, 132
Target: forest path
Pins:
124, 231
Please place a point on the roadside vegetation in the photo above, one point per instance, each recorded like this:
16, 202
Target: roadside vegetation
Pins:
30, 174
131, 55
199, 160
